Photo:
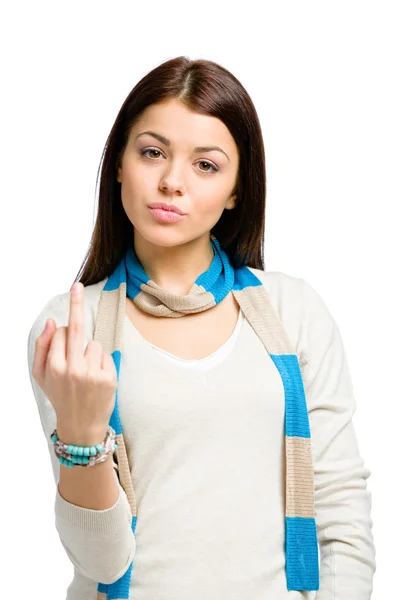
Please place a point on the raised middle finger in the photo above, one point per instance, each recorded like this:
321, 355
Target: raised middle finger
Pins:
75, 333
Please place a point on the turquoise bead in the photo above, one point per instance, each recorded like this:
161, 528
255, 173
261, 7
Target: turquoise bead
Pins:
80, 450
99, 447
93, 450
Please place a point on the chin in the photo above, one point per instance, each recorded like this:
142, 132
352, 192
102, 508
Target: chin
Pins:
164, 236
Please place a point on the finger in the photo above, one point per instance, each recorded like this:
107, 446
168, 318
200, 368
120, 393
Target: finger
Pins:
57, 351
43, 343
107, 364
75, 330
93, 355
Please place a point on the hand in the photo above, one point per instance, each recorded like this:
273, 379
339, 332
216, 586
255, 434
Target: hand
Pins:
81, 387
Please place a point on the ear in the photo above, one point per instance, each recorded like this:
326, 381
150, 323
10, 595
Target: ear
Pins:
231, 203
119, 174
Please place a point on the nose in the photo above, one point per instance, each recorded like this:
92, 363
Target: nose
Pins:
172, 181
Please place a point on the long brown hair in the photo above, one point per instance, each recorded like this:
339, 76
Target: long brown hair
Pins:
209, 89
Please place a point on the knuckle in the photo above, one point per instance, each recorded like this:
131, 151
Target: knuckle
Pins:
110, 385
92, 377
109, 380
113, 380
54, 369
74, 328
74, 373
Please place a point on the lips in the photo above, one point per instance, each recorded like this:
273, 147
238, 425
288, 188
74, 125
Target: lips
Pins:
165, 216
169, 207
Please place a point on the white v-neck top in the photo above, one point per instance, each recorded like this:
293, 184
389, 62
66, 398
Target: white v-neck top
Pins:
197, 364
205, 441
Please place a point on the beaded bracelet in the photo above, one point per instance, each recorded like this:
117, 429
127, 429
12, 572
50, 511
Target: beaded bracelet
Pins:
84, 456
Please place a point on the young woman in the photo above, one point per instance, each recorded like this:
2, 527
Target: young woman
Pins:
220, 391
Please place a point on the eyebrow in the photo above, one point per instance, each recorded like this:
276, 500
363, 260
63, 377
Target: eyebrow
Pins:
166, 141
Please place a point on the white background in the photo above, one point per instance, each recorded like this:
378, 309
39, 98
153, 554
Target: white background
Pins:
321, 75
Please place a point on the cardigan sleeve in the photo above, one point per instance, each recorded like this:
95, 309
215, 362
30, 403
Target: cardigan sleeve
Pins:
99, 543
342, 500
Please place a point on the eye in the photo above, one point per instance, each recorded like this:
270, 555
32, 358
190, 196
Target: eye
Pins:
204, 162
149, 150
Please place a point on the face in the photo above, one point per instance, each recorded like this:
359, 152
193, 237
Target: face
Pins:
200, 182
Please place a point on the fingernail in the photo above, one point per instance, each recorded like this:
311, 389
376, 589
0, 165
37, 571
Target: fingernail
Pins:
76, 288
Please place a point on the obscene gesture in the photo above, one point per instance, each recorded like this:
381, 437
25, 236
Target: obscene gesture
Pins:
80, 386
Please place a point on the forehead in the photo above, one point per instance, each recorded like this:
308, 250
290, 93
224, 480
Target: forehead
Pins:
183, 126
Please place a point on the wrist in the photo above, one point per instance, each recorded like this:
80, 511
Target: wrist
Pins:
89, 437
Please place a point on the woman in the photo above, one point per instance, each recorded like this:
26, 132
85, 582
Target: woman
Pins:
234, 472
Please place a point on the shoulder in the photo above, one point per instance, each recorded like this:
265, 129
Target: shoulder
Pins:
299, 305
288, 291
285, 290
274, 279
58, 309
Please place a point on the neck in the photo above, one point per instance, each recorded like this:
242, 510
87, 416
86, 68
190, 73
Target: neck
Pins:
174, 268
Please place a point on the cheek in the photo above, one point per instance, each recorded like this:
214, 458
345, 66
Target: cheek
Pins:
135, 189
212, 203
133, 172
132, 177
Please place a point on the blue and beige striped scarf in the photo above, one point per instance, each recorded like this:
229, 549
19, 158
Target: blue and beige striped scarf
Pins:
210, 288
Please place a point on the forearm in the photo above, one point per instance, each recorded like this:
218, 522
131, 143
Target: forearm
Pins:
93, 517
344, 523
